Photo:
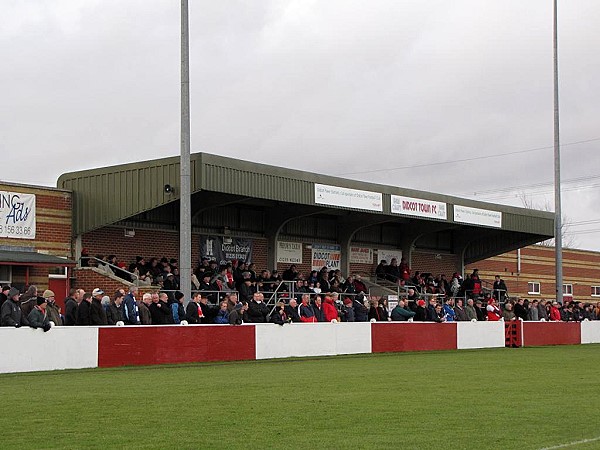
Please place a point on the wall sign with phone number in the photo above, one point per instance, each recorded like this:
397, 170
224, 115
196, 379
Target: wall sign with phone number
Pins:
17, 215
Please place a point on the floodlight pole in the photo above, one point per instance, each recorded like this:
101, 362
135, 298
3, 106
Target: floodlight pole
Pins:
557, 200
185, 226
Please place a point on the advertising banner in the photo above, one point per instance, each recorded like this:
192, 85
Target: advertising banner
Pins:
17, 215
225, 250
388, 254
361, 255
418, 207
349, 198
326, 255
289, 252
477, 216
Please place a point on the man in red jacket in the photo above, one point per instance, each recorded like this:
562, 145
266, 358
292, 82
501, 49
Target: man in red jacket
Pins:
329, 309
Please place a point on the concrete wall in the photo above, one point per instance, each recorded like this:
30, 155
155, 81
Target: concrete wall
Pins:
480, 334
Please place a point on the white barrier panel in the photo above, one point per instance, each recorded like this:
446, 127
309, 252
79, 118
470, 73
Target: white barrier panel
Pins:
312, 339
590, 332
26, 349
480, 334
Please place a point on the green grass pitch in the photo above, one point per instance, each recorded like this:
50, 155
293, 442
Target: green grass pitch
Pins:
528, 398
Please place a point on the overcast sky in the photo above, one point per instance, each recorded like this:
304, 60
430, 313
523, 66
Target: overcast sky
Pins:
444, 96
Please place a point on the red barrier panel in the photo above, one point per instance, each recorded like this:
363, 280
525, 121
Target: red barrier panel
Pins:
148, 345
551, 333
411, 337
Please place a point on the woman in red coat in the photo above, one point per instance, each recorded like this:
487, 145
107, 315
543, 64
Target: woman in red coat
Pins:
555, 312
329, 309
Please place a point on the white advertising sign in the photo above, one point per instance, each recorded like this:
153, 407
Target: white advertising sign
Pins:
326, 255
477, 216
418, 207
17, 215
388, 255
361, 255
289, 252
349, 198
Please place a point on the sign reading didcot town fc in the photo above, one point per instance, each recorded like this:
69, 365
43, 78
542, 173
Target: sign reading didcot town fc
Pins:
419, 207
477, 216
289, 252
17, 215
326, 255
348, 198
361, 255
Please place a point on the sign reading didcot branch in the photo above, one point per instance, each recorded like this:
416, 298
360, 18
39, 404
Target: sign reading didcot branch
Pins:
348, 198
361, 255
289, 252
477, 216
326, 255
418, 207
225, 250
17, 215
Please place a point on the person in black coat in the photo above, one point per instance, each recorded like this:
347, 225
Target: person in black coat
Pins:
420, 311
291, 310
97, 311
159, 312
279, 315
361, 312
82, 316
257, 310
193, 312
114, 312
318, 309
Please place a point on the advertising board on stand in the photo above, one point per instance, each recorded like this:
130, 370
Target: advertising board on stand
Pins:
361, 255
289, 252
418, 207
477, 216
17, 215
326, 255
348, 198
224, 250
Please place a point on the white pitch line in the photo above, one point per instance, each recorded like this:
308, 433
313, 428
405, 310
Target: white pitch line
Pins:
570, 444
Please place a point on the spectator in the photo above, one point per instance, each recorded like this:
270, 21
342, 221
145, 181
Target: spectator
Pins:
438, 314
401, 314
381, 270
257, 310
97, 311
330, 312
130, 308
194, 311
71, 303
170, 284
306, 312
291, 310
347, 311
38, 318
246, 289
449, 313
431, 315
165, 301
159, 312
460, 312
480, 310
11, 314
325, 283
455, 284
209, 312
279, 315
144, 309
500, 290
232, 300
508, 313
566, 313
555, 315
470, 310
236, 317
520, 309
420, 311
177, 309
51, 308
82, 316
29, 300
542, 310
223, 314
493, 312
533, 313
317, 307
290, 274
4, 294
392, 272
114, 313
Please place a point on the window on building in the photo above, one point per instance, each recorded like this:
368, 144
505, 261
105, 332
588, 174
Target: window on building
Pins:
595, 291
533, 287
568, 289
5, 274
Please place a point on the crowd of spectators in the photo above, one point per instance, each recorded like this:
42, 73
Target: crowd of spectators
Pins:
234, 293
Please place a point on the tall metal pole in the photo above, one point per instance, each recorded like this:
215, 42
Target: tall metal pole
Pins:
185, 226
557, 201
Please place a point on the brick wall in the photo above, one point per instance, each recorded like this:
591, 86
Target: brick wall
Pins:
435, 263
87, 279
580, 269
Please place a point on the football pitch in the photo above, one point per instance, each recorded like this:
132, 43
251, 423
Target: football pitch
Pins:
528, 398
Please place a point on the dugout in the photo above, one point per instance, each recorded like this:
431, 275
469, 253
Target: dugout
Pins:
277, 216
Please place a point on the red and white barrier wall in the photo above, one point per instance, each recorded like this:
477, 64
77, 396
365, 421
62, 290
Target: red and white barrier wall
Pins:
25, 349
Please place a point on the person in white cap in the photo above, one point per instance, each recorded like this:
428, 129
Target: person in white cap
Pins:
97, 311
